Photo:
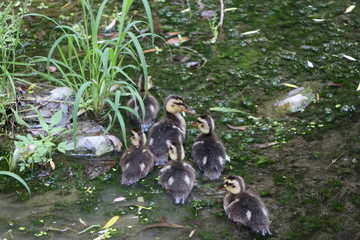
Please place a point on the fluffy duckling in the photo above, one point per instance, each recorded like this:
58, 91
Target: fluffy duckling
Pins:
208, 152
150, 103
171, 128
243, 207
177, 177
136, 162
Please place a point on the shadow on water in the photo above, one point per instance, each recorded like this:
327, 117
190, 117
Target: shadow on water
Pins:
305, 166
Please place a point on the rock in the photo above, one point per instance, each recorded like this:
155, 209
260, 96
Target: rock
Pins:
95, 145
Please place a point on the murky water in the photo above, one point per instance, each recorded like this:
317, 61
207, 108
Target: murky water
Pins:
309, 179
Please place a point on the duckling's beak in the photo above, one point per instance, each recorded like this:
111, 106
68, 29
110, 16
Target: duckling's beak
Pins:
189, 110
194, 124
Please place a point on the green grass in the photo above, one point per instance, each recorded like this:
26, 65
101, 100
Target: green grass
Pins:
98, 70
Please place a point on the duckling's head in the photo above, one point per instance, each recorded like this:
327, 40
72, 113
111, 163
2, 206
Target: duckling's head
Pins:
138, 138
234, 184
175, 104
205, 123
142, 83
176, 150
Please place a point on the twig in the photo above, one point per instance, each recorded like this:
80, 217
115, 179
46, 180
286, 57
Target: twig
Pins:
334, 161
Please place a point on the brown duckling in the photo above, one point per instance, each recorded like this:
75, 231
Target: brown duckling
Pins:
138, 161
151, 106
171, 128
177, 177
208, 152
243, 207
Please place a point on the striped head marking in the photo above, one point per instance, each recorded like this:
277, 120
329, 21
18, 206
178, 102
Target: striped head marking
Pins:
234, 184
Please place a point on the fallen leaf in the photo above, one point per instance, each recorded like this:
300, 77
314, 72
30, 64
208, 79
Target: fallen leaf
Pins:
358, 88
174, 33
230, 9
250, 32
349, 9
318, 19
241, 128
152, 50
195, 64
348, 57
185, 10
140, 199
201, 6
168, 225
111, 25
309, 64
52, 164
173, 41
289, 85
207, 14
52, 69
143, 207
116, 142
332, 84
111, 222
119, 199
264, 145
82, 222
192, 233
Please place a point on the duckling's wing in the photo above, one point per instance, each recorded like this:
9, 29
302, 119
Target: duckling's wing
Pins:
210, 157
159, 135
250, 211
136, 164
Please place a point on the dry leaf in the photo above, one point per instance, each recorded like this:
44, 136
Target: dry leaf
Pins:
82, 222
289, 85
173, 41
349, 9
230, 9
116, 142
207, 14
52, 69
152, 50
332, 84
111, 25
119, 199
250, 32
348, 57
241, 128
192, 233
309, 64
52, 164
344, 190
111, 222
185, 10
265, 145
174, 33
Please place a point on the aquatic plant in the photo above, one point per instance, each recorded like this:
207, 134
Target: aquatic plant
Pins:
31, 150
10, 24
96, 68
17, 177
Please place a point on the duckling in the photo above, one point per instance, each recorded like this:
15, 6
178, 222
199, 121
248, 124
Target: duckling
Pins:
243, 207
171, 128
150, 103
208, 152
177, 177
136, 162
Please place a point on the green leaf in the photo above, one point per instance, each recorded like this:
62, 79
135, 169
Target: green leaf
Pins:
17, 177
55, 119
